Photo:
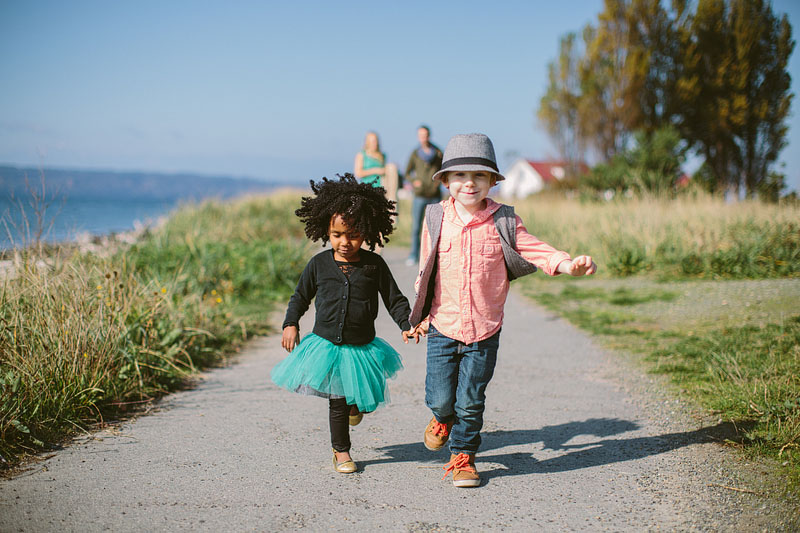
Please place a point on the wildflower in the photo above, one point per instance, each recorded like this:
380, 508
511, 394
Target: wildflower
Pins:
214, 292
85, 354
99, 287
219, 300
163, 290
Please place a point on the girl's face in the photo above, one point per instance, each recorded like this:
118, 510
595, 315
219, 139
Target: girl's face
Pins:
345, 242
371, 142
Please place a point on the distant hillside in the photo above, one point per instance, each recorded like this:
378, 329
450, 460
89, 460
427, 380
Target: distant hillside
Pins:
108, 185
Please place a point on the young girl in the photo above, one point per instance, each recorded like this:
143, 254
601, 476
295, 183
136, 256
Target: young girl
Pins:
342, 359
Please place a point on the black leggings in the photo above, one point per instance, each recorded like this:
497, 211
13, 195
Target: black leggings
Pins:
338, 414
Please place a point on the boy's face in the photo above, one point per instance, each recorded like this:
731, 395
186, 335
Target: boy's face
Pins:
345, 241
469, 188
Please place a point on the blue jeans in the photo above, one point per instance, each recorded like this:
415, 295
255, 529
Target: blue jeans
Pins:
455, 385
417, 216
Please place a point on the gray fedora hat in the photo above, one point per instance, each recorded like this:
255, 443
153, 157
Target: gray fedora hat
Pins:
470, 152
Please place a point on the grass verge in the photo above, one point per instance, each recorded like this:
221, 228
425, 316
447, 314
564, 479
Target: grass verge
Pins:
84, 337
732, 347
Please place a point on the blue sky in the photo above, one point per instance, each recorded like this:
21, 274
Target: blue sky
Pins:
280, 90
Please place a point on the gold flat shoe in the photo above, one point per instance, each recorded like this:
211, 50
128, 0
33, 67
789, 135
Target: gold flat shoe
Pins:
355, 419
345, 467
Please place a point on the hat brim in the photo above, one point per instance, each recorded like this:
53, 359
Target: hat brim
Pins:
468, 168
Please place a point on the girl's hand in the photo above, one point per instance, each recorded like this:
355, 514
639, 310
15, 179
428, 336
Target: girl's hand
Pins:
291, 337
414, 333
582, 266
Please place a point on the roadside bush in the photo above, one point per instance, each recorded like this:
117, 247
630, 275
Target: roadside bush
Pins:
84, 337
626, 257
650, 167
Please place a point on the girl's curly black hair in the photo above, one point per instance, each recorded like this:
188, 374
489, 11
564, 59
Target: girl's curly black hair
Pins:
363, 207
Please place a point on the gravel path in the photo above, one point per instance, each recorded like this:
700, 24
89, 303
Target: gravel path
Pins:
574, 440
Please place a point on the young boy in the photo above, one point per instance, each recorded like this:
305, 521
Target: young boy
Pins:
461, 290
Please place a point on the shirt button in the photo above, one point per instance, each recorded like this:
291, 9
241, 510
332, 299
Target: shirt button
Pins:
345, 283
344, 297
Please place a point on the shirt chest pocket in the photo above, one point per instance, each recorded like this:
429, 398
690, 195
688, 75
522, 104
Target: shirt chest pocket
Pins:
444, 256
490, 258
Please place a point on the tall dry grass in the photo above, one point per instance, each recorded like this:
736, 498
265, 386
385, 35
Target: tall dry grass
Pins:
84, 336
687, 237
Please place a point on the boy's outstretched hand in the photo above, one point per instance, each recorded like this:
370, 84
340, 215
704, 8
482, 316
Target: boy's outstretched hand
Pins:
290, 339
581, 266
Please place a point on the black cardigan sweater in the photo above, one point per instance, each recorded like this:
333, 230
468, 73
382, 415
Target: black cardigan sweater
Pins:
346, 309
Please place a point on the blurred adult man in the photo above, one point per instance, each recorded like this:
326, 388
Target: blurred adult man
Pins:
424, 162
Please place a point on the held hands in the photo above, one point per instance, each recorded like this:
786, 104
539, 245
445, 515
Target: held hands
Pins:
290, 339
415, 332
581, 266
411, 334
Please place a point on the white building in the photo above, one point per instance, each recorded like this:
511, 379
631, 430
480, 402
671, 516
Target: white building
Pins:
525, 177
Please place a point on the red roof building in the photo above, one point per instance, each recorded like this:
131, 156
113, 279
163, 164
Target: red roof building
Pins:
525, 177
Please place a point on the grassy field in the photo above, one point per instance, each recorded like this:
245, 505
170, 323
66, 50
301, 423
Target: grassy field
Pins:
688, 238
84, 337
705, 292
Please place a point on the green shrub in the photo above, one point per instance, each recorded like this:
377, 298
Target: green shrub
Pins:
86, 337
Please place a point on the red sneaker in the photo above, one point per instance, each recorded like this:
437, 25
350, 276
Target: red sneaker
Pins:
463, 468
436, 434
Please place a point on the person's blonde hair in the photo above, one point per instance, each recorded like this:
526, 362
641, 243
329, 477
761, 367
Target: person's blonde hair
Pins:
377, 141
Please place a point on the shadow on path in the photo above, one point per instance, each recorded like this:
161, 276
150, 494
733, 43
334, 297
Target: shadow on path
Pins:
585, 454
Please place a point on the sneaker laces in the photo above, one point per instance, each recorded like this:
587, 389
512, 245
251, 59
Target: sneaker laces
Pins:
459, 462
439, 428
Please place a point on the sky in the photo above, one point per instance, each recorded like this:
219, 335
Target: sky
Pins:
281, 90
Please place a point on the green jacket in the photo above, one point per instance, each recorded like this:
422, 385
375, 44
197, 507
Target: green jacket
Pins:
419, 169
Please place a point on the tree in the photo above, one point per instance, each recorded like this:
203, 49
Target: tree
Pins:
605, 117
621, 84
558, 108
733, 89
717, 73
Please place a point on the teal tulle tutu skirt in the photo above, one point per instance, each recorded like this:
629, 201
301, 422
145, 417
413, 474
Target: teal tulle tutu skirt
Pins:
355, 372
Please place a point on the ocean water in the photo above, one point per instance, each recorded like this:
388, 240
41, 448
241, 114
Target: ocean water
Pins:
64, 220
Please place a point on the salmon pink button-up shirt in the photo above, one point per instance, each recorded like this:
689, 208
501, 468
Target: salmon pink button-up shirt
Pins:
471, 283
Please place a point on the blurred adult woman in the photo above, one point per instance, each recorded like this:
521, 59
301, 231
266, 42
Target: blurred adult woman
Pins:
370, 161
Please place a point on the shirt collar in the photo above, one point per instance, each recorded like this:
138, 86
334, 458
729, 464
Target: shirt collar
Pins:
477, 218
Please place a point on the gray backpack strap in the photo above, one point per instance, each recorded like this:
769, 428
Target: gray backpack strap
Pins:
434, 214
505, 221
